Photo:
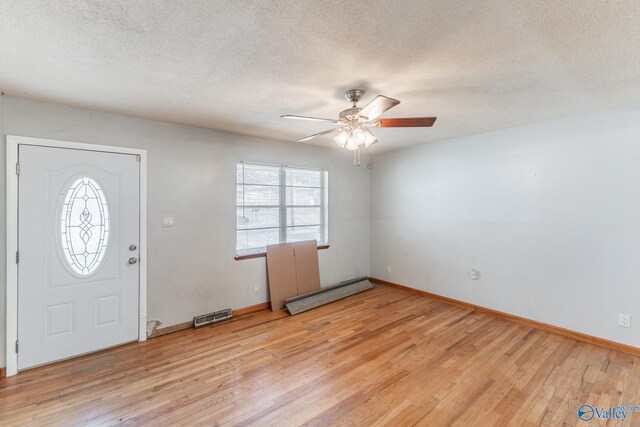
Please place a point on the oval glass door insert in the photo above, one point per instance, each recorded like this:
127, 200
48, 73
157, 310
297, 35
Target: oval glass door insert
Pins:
84, 226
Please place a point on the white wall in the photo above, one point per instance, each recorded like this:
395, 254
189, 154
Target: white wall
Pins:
192, 176
549, 213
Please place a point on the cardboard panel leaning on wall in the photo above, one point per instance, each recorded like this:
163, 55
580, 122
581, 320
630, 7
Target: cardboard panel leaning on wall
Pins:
281, 270
307, 269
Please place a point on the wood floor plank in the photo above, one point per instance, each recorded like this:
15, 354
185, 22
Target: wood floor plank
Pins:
382, 357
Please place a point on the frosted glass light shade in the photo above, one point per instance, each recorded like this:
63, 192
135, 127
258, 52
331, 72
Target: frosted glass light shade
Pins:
370, 138
341, 139
358, 137
350, 145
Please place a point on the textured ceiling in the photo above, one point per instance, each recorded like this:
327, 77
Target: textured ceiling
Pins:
237, 66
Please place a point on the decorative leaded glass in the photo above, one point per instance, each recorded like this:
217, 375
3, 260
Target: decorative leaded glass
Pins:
84, 226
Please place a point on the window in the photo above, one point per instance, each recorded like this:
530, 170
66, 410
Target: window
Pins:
277, 204
84, 226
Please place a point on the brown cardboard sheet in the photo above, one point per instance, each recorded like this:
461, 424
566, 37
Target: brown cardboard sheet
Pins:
281, 270
307, 270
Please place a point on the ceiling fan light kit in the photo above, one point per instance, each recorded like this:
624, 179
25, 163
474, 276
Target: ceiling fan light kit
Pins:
354, 123
352, 139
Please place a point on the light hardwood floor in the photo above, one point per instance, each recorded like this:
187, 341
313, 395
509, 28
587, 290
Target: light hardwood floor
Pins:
384, 356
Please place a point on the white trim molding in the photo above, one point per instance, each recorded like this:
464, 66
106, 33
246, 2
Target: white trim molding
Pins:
13, 142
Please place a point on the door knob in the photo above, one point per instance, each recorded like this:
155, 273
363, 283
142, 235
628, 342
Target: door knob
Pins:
133, 248
133, 260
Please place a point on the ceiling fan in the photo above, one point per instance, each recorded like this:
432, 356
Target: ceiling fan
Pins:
353, 124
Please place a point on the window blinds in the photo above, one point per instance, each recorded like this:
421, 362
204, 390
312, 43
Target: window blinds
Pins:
277, 204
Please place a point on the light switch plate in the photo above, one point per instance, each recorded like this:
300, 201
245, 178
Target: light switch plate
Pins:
167, 221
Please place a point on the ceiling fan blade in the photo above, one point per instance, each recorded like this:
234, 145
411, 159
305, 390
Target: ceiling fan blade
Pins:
315, 135
378, 106
314, 119
407, 122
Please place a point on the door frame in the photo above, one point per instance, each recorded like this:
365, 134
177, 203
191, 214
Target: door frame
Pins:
13, 142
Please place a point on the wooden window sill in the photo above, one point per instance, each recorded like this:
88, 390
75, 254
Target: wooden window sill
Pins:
264, 254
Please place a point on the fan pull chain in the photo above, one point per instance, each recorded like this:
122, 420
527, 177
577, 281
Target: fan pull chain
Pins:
356, 157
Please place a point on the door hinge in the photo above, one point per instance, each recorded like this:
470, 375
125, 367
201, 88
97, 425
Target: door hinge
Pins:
138, 158
17, 168
17, 257
16, 346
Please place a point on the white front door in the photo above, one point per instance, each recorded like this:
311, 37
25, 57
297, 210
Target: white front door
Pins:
78, 243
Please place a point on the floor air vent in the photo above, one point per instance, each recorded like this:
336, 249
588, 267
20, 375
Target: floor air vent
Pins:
209, 318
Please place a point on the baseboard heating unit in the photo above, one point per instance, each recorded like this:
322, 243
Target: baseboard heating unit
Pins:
209, 318
314, 299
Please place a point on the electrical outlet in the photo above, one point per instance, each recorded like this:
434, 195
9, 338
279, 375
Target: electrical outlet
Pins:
256, 288
624, 320
474, 274
388, 269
